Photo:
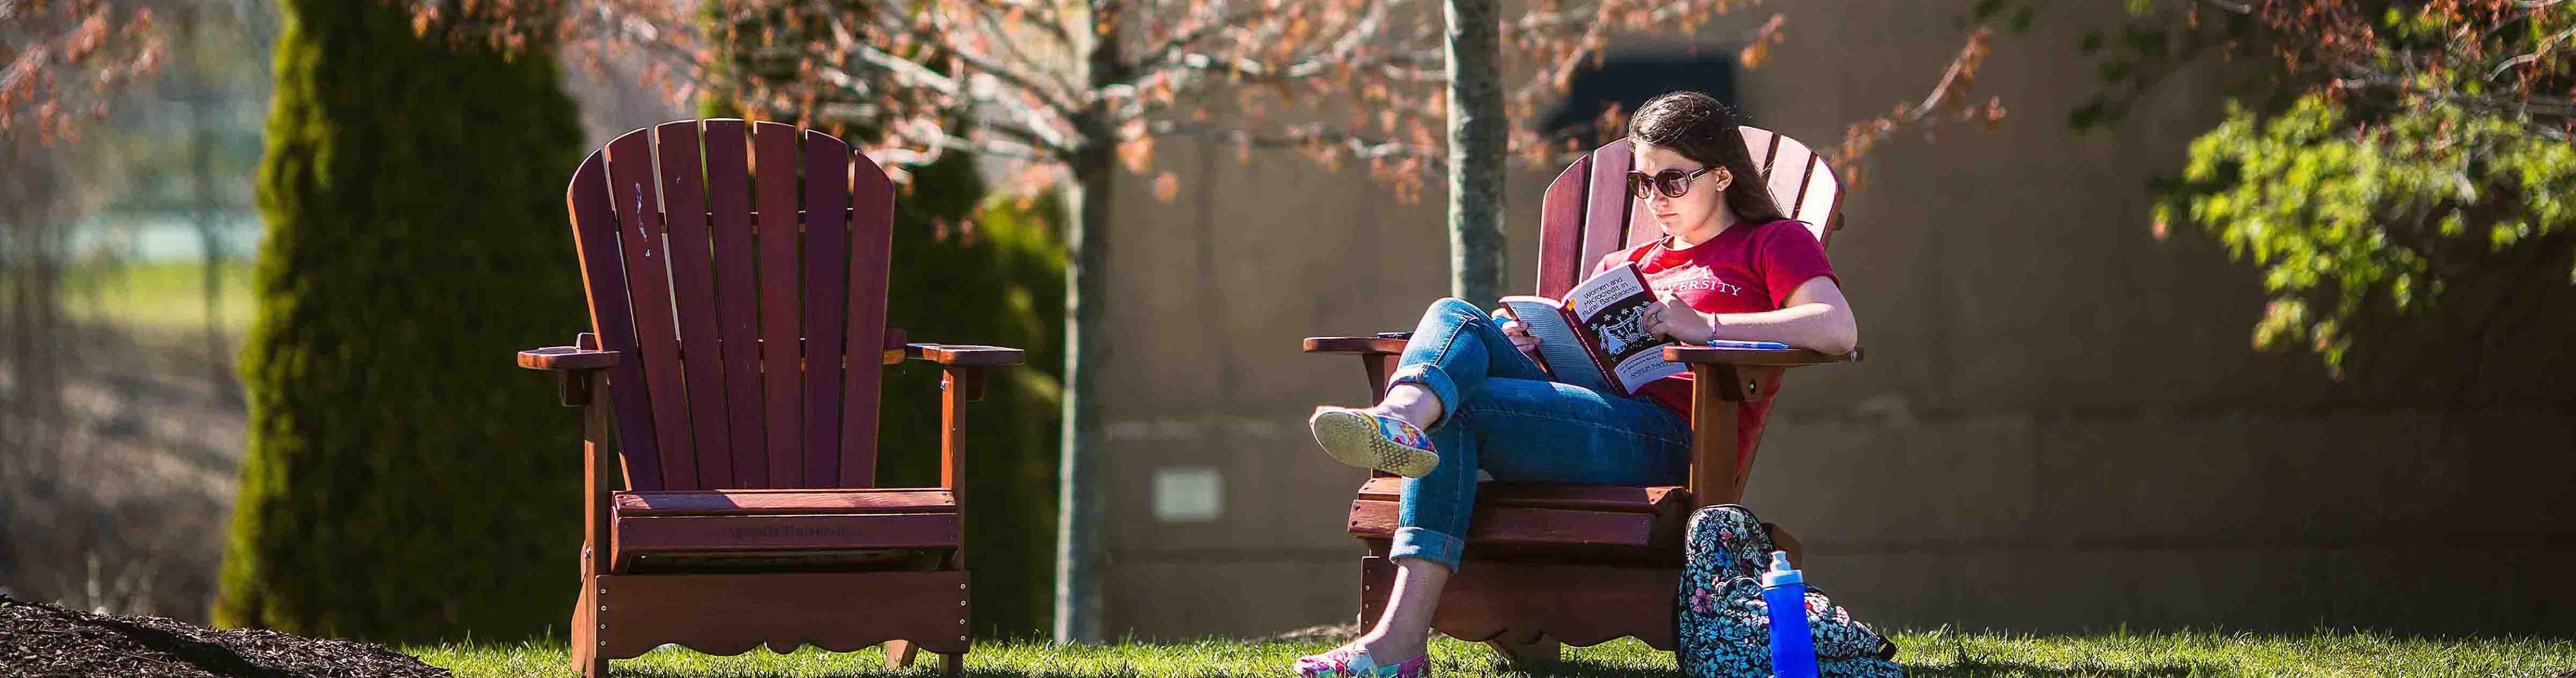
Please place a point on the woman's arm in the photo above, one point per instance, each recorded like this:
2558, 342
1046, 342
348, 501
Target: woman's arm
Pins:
1816, 318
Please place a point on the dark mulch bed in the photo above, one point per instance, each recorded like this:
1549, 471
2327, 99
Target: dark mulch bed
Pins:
37, 639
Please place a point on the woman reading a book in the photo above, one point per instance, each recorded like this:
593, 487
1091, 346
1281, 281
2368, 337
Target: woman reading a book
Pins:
1470, 395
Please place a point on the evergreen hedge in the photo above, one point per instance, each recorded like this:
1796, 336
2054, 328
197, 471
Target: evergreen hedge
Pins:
404, 481
993, 273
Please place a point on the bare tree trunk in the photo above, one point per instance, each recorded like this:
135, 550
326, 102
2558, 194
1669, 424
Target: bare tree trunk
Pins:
1077, 589
1078, 540
201, 161
34, 206
1476, 146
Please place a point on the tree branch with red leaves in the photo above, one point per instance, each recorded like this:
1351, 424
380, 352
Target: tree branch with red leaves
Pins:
1012, 78
62, 61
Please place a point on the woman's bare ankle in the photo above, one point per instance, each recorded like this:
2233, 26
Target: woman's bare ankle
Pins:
1389, 648
1412, 403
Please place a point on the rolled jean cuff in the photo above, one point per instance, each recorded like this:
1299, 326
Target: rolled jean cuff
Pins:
1430, 376
1427, 544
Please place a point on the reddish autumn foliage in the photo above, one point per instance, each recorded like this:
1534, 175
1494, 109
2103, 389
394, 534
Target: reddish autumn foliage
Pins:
1070, 86
61, 60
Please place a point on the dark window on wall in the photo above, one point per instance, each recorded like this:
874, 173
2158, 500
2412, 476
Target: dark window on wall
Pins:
1630, 79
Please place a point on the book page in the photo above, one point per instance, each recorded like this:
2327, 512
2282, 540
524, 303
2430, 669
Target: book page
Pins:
1558, 344
1602, 291
1645, 366
1612, 307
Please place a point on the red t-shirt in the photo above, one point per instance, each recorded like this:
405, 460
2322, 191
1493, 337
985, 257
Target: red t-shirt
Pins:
1742, 270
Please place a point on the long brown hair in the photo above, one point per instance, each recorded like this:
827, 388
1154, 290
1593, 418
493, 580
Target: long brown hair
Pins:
1697, 126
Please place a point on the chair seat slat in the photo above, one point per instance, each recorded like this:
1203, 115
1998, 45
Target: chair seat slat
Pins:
784, 502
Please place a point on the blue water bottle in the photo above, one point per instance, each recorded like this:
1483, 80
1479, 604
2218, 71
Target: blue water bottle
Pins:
1784, 591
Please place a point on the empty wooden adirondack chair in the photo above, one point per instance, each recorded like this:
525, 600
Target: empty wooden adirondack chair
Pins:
1584, 564
739, 334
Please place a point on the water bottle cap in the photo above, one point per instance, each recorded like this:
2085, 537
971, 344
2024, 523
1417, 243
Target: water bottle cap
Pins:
1781, 571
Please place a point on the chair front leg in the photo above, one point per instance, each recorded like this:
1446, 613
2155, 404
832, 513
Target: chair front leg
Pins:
600, 474
1379, 366
1781, 539
598, 485
1717, 392
958, 385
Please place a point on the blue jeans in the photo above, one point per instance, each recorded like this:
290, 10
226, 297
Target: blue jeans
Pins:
1502, 414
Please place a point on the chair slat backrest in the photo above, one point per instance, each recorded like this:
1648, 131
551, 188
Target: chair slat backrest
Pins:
737, 297
741, 268
1587, 213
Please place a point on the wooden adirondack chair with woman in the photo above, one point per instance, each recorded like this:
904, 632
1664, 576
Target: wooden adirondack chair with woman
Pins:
1546, 564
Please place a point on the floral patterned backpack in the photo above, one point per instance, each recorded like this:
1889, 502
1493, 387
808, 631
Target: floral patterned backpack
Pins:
1725, 628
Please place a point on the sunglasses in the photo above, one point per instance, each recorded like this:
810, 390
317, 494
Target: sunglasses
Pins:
1672, 183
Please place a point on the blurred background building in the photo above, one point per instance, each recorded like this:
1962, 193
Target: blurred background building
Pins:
2060, 423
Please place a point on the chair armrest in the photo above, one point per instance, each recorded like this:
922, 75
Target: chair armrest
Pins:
1723, 378
575, 367
567, 359
1355, 345
1377, 356
963, 354
894, 347
1710, 355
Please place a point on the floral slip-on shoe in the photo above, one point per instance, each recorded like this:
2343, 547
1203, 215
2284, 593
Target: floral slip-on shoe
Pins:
1373, 441
1350, 660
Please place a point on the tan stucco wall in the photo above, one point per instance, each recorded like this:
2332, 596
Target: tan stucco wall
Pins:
2060, 424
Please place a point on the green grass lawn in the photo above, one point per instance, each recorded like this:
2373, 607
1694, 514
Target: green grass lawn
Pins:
1926, 654
164, 296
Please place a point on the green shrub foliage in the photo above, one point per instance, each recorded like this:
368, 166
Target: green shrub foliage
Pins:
404, 481
989, 274
966, 269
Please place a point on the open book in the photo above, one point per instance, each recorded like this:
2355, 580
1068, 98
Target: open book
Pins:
1596, 336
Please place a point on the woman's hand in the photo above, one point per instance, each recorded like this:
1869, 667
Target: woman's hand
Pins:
1669, 317
1520, 335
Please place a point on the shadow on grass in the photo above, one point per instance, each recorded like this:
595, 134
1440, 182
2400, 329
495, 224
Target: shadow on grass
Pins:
1942, 662
618, 671
1964, 663
1568, 669
933, 671
2019, 669
1972, 667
